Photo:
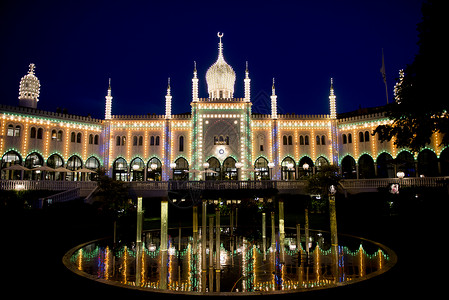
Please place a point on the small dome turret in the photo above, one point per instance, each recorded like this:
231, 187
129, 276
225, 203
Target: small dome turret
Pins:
29, 89
220, 77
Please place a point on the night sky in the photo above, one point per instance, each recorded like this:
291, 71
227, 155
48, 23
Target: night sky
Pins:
78, 45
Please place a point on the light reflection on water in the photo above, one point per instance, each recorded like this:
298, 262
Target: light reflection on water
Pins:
244, 265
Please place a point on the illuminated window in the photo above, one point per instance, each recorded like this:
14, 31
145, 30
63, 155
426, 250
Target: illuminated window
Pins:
17, 131
54, 135
181, 143
123, 140
10, 130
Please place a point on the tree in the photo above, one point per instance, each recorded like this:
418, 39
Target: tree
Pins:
319, 184
421, 107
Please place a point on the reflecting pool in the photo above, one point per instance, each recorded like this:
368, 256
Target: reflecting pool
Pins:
277, 264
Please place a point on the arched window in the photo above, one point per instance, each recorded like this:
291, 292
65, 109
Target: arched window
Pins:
73, 137
78, 138
323, 140
59, 137
227, 140
152, 140
214, 170
317, 139
290, 140
33, 132
301, 140
180, 172
140, 140
181, 143
137, 169
118, 140
135, 140
360, 137
284, 140
366, 136
55, 161
17, 130
96, 138
262, 170
53, 135
349, 138
288, 169
120, 169
229, 169
306, 140
34, 160
154, 169
40, 133
9, 159
123, 140
10, 130
345, 139
215, 140
91, 139
157, 140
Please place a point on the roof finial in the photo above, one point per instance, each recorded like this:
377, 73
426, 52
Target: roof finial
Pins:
194, 66
220, 45
31, 70
109, 83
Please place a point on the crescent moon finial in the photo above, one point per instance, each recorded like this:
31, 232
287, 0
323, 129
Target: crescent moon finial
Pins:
220, 35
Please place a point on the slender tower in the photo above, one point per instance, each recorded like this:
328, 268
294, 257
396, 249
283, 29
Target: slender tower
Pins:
247, 84
332, 101
168, 101
334, 127
108, 110
194, 84
274, 109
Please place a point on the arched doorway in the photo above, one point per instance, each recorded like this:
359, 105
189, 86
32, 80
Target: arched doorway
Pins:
214, 165
262, 171
9, 159
321, 162
406, 163
92, 163
348, 168
444, 162
427, 163
180, 172
229, 169
74, 163
154, 169
120, 169
305, 166
55, 161
34, 160
366, 167
137, 169
288, 170
385, 166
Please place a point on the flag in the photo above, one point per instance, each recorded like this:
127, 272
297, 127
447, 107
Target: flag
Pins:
382, 69
384, 76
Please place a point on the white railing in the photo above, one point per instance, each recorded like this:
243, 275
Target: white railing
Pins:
405, 182
46, 185
64, 196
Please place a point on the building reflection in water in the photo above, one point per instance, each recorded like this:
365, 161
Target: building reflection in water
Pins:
244, 265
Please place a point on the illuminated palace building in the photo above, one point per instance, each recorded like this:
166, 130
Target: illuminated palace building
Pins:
220, 139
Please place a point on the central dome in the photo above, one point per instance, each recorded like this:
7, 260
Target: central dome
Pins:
220, 77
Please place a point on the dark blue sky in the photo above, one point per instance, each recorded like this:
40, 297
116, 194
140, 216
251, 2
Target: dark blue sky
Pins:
78, 45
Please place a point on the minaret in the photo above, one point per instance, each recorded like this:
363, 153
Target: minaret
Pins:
108, 110
194, 84
247, 84
332, 101
168, 102
274, 110
29, 89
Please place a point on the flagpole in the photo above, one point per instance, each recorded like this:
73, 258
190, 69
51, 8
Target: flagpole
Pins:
382, 70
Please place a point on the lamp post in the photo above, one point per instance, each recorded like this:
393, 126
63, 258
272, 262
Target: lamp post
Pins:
271, 166
238, 165
305, 166
206, 166
173, 166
